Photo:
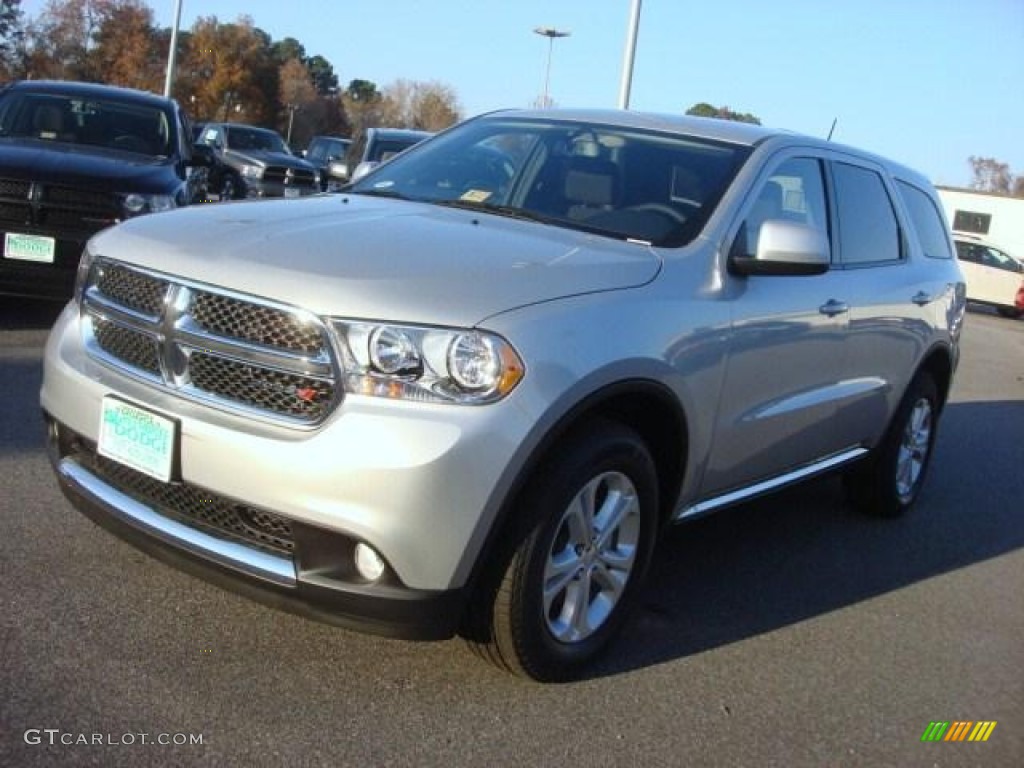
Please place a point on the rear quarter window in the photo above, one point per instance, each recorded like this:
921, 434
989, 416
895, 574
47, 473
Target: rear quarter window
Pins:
928, 223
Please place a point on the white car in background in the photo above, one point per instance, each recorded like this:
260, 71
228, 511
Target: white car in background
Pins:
993, 276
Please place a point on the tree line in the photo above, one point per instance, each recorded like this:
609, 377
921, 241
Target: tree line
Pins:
226, 71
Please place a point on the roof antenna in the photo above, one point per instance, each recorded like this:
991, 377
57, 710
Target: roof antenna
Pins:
832, 129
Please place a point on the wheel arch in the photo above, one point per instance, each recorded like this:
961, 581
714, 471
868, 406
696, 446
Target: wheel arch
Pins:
646, 406
938, 364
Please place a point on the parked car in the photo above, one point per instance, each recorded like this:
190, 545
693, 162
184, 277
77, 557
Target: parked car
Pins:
373, 147
993, 276
75, 158
324, 150
468, 394
255, 162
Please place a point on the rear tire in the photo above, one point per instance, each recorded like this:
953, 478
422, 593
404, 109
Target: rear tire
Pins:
576, 567
887, 482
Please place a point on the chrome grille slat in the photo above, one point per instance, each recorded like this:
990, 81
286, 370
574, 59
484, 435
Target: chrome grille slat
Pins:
134, 290
133, 347
236, 352
263, 388
227, 316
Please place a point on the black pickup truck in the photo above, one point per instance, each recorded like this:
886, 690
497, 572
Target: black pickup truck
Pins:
76, 158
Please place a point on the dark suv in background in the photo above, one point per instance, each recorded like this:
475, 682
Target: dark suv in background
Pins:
75, 158
255, 162
373, 147
324, 150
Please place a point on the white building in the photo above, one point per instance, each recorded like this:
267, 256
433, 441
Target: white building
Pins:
997, 218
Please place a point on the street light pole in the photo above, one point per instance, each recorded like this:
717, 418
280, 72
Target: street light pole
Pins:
550, 33
629, 55
172, 54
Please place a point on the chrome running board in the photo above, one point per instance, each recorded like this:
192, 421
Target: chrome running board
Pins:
765, 486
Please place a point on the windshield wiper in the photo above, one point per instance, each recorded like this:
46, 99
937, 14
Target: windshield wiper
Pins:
498, 210
390, 193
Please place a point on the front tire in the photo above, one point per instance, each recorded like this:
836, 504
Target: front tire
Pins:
888, 482
228, 188
580, 563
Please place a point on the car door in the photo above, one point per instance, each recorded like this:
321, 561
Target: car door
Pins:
892, 290
980, 285
786, 355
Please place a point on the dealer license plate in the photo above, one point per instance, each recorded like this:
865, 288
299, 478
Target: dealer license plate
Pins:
29, 247
137, 438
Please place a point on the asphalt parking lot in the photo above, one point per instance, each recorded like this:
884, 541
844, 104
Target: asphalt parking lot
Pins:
787, 632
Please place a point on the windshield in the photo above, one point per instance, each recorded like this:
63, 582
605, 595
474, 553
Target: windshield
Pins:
239, 137
620, 182
119, 125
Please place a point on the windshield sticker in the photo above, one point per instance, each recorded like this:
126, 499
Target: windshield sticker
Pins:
476, 195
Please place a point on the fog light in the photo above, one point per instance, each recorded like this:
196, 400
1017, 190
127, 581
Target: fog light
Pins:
369, 564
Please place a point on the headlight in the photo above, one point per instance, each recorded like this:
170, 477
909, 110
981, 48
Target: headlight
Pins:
251, 171
134, 204
393, 352
447, 365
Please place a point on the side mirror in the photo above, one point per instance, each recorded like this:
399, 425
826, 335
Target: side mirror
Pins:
786, 248
338, 169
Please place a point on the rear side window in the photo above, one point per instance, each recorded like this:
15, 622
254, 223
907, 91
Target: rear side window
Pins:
868, 229
927, 221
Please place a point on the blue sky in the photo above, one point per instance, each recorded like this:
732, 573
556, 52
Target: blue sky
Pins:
925, 82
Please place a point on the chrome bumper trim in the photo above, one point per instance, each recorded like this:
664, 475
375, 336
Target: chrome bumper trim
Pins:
251, 562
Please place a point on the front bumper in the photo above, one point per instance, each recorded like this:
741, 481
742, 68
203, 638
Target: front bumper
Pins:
420, 484
317, 580
47, 280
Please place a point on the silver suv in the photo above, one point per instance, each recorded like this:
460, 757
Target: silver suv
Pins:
468, 394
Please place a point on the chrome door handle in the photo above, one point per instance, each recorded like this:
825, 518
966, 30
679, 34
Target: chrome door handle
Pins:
833, 308
921, 298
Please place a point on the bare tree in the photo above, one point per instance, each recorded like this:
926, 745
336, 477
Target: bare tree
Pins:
428, 106
990, 175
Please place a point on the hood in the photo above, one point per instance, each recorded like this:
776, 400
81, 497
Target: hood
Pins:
265, 158
102, 169
372, 258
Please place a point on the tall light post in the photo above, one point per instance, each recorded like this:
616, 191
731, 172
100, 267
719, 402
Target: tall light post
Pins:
629, 55
172, 54
550, 33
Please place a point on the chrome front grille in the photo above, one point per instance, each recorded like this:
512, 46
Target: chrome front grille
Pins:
292, 176
237, 352
277, 391
239, 319
131, 289
135, 348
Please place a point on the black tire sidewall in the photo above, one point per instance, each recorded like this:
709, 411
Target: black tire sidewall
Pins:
610, 449
873, 484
